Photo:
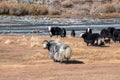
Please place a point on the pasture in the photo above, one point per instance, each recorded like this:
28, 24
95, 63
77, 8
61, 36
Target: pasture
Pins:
23, 58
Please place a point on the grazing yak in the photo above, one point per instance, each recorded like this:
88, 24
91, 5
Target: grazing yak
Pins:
63, 33
57, 31
93, 39
89, 30
111, 30
73, 33
116, 35
111, 33
58, 51
106, 35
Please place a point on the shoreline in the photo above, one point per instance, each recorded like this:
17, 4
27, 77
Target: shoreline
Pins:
59, 20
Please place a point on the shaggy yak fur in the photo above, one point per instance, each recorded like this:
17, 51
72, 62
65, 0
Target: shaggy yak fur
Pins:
59, 52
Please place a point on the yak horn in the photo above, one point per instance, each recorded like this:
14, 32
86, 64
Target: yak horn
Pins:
45, 41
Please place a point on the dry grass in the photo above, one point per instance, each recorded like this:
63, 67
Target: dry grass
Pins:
76, 9
105, 15
68, 9
67, 4
4, 9
106, 8
29, 63
80, 49
22, 9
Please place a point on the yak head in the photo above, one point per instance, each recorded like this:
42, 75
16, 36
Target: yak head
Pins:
45, 44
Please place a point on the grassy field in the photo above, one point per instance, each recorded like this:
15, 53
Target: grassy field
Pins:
23, 58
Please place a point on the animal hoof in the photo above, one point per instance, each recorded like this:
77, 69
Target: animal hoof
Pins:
54, 60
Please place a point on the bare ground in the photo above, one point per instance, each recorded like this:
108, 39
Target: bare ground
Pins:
23, 58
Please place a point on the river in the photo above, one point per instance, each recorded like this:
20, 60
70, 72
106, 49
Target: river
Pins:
26, 25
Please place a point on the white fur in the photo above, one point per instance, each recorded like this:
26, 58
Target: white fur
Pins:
44, 45
49, 28
63, 55
81, 34
96, 42
88, 29
50, 33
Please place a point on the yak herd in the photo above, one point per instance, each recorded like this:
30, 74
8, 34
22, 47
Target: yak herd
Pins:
60, 51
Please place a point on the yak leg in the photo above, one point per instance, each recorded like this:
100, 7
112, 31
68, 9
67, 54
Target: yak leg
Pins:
61, 57
67, 61
87, 44
56, 56
54, 60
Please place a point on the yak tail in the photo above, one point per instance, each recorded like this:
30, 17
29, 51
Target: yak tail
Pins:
68, 53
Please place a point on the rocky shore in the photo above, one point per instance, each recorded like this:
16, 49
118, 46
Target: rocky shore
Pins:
45, 20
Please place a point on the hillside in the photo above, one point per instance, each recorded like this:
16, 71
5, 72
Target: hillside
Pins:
78, 8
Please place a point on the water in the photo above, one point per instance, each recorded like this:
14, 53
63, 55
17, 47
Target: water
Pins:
20, 25
44, 31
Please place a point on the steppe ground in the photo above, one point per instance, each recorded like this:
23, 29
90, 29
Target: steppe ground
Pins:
23, 58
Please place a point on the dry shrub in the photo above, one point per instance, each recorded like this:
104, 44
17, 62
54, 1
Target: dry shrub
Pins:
15, 10
4, 8
54, 12
106, 8
43, 10
106, 15
76, 1
67, 4
22, 9
111, 15
109, 8
35, 9
117, 7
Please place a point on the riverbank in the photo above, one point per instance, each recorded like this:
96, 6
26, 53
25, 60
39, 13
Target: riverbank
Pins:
39, 19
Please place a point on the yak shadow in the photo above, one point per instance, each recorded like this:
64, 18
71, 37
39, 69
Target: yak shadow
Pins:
73, 62
99, 46
104, 46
